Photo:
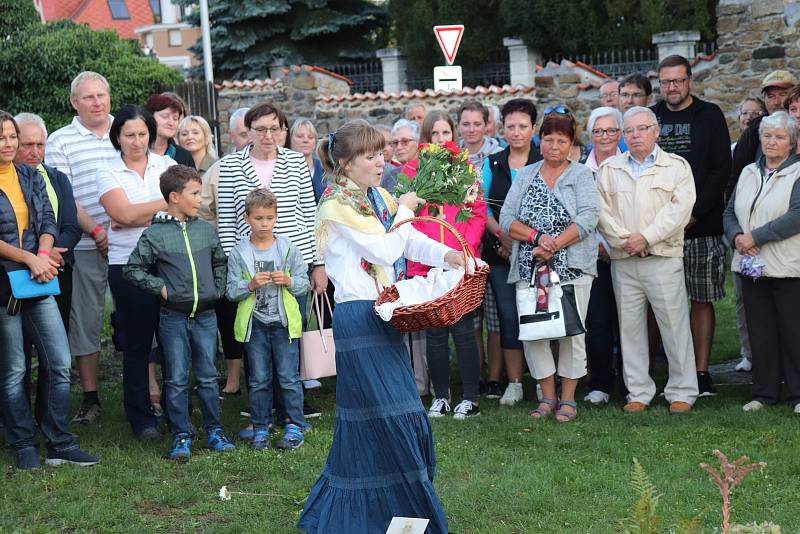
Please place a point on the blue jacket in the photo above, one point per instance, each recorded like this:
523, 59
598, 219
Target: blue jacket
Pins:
69, 233
40, 213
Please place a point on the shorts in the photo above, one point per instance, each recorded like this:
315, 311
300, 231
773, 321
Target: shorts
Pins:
490, 311
704, 268
89, 282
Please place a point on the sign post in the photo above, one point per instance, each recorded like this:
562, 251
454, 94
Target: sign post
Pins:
448, 78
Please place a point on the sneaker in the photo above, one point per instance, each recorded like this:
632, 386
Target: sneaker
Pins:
466, 409
439, 408
539, 392
597, 397
705, 385
246, 434
312, 384
181, 448
71, 456
87, 413
744, 366
494, 390
797, 408
28, 458
512, 395
309, 410
245, 411
149, 434
292, 438
260, 440
753, 406
218, 441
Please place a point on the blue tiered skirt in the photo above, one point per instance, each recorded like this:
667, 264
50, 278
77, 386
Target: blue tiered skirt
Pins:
382, 462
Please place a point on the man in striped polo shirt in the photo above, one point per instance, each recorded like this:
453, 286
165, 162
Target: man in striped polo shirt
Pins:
79, 150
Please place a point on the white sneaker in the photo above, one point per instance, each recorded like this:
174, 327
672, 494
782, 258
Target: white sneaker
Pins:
538, 392
597, 397
512, 395
439, 408
465, 409
744, 366
312, 384
754, 406
797, 408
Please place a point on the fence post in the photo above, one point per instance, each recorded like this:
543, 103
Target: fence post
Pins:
682, 43
522, 61
394, 67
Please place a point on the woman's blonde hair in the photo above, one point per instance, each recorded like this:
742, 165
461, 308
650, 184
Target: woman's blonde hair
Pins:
200, 121
355, 138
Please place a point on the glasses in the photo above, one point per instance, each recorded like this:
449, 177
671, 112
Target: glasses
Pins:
751, 114
401, 142
273, 131
600, 132
611, 94
631, 96
561, 110
638, 129
677, 82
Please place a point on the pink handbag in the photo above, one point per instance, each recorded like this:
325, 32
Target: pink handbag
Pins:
317, 351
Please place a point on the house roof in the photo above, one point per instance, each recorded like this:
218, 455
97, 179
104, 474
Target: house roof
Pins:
97, 14
430, 93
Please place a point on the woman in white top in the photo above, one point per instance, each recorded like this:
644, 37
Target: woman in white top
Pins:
380, 419
130, 193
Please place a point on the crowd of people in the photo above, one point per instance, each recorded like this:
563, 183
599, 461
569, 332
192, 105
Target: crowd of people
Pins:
200, 250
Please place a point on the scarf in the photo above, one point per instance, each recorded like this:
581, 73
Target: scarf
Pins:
343, 202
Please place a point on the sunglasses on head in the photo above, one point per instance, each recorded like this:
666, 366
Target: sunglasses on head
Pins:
560, 109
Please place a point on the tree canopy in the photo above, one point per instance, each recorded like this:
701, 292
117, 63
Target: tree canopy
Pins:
247, 36
39, 61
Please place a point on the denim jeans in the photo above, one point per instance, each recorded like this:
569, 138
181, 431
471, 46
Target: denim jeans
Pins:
186, 340
269, 346
41, 322
136, 318
277, 399
469, 364
505, 295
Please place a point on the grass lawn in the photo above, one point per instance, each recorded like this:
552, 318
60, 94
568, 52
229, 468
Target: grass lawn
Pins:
499, 473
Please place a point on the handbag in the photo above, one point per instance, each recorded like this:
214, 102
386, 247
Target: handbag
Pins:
20, 286
317, 350
560, 318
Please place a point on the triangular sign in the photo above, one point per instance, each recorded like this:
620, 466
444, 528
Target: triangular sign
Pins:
449, 38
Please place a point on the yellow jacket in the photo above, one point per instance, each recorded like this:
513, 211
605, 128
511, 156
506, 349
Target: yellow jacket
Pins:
658, 204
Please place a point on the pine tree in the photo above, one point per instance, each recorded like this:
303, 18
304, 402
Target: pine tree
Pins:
249, 36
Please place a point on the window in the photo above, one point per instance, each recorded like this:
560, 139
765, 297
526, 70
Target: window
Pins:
118, 9
155, 7
148, 40
175, 38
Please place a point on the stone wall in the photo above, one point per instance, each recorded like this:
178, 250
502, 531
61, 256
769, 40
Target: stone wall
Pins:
755, 37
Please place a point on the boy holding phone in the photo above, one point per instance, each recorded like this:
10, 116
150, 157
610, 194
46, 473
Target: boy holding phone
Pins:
265, 273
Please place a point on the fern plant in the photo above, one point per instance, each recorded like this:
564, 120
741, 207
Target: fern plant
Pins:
642, 518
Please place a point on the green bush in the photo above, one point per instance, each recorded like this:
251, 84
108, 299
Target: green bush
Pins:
39, 63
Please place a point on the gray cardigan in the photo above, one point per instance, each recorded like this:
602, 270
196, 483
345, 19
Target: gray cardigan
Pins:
576, 189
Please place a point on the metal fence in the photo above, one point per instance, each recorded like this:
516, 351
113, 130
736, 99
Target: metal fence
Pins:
617, 63
201, 99
365, 75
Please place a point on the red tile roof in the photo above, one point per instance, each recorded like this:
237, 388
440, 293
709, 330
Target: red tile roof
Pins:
97, 14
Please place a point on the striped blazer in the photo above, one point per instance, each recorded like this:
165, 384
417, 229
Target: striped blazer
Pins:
292, 186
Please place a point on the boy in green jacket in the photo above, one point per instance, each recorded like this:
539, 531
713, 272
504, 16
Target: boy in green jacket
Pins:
179, 257
265, 272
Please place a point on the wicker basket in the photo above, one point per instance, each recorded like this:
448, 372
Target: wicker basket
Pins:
447, 309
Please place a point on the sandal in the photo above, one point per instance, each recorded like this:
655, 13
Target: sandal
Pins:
563, 416
546, 408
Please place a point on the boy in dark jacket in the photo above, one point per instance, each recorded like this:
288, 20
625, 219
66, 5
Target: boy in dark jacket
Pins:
179, 257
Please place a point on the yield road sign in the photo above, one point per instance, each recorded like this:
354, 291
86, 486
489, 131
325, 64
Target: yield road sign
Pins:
449, 38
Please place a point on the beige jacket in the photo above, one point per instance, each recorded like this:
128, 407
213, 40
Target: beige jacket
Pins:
208, 194
658, 204
757, 209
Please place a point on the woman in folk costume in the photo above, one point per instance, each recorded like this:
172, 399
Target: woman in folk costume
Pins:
381, 463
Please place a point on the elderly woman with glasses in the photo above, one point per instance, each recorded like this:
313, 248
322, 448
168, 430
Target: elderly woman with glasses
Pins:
551, 212
602, 327
404, 142
762, 220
